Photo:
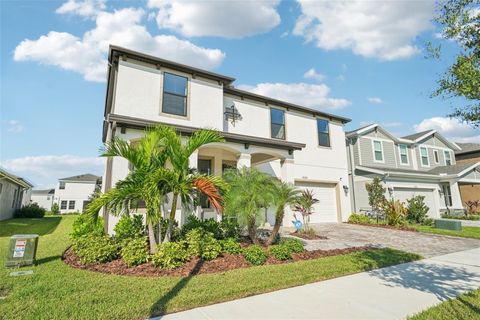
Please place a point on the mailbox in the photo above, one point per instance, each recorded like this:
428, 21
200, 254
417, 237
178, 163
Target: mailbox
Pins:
22, 250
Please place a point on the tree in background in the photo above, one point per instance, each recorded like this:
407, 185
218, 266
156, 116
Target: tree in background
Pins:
460, 20
376, 195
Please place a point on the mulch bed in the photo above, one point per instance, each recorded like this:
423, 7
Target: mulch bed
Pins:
195, 266
386, 226
308, 236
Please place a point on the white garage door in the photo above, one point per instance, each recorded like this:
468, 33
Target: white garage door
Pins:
403, 194
326, 209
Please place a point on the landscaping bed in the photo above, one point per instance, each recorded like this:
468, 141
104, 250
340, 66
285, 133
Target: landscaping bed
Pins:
386, 226
196, 265
307, 236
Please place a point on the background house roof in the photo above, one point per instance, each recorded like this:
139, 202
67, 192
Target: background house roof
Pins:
417, 135
43, 192
87, 177
468, 148
454, 169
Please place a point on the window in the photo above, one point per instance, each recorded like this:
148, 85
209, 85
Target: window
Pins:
71, 205
205, 167
448, 158
435, 156
403, 154
62, 185
424, 156
174, 95
277, 119
378, 151
323, 133
63, 205
447, 195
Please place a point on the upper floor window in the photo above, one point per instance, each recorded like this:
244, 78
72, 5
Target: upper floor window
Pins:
448, 158
323, 133
403, 154
174, 95
378, 150
277, 126
435, 156
62, 185
424, 156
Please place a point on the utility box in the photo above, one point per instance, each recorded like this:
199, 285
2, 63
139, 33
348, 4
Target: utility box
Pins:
22, 250
448, 224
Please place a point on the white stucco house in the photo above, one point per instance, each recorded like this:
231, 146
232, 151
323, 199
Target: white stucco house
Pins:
72, 193
15, 192
296, 144
419, 164
44, 198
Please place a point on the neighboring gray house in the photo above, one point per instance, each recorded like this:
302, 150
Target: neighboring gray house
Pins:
15, 192
419, 164
44, 198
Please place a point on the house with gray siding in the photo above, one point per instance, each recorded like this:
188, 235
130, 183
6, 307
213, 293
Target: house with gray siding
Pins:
15, 192
419, 164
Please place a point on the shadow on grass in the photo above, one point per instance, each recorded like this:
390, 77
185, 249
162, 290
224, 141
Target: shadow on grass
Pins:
47, 259
159, 307
40, 226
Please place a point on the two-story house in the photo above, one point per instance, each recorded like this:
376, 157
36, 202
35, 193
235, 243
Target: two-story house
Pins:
419, 164
44, 198
72, 193
468, 153
293, 143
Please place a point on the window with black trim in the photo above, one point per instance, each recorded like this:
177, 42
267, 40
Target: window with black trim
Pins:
323, 133
62, 185
71, 205
63, 205
277, 119
174, 94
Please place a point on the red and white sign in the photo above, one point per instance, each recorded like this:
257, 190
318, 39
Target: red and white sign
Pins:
19, 250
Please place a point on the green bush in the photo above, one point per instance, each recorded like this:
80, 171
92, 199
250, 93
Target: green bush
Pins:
203, 244
230, 227
208, 225
129, 227
171, 255
281, 252
294, 245
176, 232
417, 209
94, 248
32, 210
255, 254
55, 209
82, 227
231, 246
359, 218
135, 251
427, 222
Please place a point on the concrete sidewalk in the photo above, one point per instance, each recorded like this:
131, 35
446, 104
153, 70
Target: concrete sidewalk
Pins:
389, 293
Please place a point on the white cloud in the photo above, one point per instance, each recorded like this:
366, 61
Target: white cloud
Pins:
13, 126
380, 29
87, 55
229, 19
304, 94
375, 100
393, 124
44, 171
86, 8
312, 74
451, 128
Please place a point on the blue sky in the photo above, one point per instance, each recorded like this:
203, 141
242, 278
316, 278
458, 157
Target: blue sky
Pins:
363, 60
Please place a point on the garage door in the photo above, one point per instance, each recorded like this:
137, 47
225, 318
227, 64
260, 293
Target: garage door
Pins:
403, 194
326, 209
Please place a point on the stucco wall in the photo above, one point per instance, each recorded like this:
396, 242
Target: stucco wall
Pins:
76, 191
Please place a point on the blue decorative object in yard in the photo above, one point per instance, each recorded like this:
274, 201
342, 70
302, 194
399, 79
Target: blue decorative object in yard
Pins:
298, 224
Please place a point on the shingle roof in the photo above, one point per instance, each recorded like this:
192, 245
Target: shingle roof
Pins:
416, 135
19, 180
454, 169
468, 147
82, 177
358, 129
399, 170
43, 192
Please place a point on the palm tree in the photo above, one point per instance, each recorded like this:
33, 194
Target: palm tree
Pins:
249, 192
304, 204
283, 194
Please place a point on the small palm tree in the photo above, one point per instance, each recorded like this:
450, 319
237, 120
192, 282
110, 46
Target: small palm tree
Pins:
249, 193
283, 194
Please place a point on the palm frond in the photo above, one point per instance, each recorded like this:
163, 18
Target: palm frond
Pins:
201, 138
205, 186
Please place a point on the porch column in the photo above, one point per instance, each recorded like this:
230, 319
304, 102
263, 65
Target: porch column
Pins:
193, 160
456, 199
244, 160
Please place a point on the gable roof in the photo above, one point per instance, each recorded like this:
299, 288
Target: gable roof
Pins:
418, 135
43, 192
16, 179
87, 177
468, 148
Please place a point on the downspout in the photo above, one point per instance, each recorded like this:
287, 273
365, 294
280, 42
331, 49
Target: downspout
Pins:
351, 173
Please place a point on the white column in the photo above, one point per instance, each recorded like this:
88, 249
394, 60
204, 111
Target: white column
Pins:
193, 160
456, 199
287, 170
244, 160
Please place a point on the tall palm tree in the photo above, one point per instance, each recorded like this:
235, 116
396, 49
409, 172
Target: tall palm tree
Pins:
283, 194
249, 192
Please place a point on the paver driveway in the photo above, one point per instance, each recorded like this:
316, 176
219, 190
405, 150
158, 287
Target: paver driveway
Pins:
342, 235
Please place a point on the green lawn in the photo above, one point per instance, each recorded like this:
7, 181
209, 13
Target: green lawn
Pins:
464, 307
466, 232
36, 226
56, 291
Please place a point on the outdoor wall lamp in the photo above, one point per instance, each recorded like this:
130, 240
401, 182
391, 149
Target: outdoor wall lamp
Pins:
390, 190
345, 189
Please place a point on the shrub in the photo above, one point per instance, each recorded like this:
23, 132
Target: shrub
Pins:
135, 251
55, 209
231, 246
32, 210
171, 255
294, 245
255, 254
359, 218
208, 225
427, 222
82, 227
395, 212
203, 244
230, 227
417, 209
93, 248
281, 252
176, 232
129, 227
